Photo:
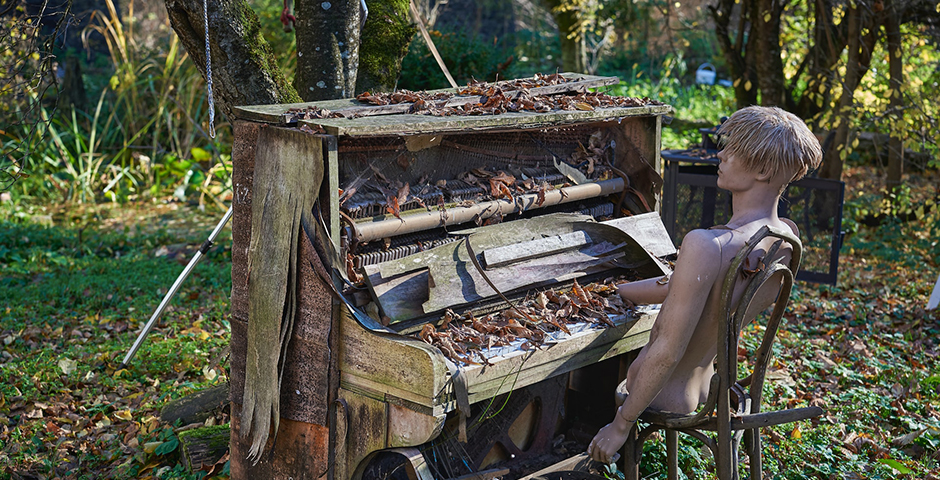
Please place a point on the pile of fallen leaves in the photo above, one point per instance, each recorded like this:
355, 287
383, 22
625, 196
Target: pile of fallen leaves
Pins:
433, 102
464, 338
495, 100
592, 160
492, 186
479, 98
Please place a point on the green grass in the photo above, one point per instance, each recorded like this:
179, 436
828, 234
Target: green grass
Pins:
73, 300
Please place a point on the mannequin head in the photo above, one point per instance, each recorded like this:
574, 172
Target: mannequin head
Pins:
771, 142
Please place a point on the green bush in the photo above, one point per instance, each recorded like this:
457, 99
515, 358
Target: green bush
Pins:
466, 56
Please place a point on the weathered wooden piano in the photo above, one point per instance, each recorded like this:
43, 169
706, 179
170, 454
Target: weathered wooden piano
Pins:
548, 198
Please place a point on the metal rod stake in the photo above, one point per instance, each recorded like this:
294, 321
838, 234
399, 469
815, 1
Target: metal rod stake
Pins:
176, 285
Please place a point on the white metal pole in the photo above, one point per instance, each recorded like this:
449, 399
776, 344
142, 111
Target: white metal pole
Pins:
176, 285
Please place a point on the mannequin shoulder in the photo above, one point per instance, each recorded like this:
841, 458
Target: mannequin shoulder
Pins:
792, 225
701, 245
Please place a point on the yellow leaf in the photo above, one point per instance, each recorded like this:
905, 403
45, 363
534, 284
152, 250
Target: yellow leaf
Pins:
200, 154
124, 415
118, 373
149, 424
737, 82
149, 447
855, 143
796, 434
104, 422
67, 365
583, 106
747, 86
767, 17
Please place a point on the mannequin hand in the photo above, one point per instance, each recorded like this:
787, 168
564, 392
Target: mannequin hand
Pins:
608, 440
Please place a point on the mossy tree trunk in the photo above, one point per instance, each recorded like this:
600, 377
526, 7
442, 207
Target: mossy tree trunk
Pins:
244, 70
384, 43
567, 14
327, 48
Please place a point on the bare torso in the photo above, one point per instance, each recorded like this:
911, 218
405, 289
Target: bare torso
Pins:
688, 384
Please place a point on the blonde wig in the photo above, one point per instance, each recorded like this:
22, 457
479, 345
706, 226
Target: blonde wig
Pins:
770, 140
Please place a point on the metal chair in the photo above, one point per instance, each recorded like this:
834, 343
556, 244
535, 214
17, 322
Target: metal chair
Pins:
732, 409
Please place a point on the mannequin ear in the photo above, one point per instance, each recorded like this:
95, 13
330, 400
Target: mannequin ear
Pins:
764, 176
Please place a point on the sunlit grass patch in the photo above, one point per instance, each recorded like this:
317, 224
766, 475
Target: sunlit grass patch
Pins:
73, 300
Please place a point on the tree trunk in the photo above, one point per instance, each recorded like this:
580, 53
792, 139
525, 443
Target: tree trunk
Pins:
244, 71
385, 38
734, 48
327, 48
828, 43
573, 49
768, 64
832, 161
896, 101
73, 88
860, 50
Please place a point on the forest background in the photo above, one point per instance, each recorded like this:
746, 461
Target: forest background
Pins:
108, 169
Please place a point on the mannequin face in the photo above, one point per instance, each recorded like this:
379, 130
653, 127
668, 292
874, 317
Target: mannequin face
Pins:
732, 175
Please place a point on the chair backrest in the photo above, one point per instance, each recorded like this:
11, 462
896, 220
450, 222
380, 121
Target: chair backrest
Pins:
733, 315
770, 274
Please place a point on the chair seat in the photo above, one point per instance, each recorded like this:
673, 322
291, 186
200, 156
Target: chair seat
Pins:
738, 422
740, 419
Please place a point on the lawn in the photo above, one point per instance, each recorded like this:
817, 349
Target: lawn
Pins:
77, 284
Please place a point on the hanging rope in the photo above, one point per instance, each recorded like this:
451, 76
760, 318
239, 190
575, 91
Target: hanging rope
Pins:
205, 18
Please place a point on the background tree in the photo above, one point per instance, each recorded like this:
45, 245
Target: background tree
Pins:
569, 15
27, 60
837, 56
246, 72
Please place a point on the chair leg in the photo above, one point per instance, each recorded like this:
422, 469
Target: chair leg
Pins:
632, 450
754, 454
723, 460
726, 462
672, 454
